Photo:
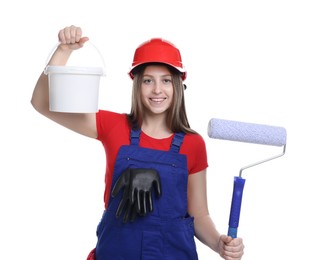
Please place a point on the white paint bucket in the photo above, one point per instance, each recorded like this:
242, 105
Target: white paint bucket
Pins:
74, 89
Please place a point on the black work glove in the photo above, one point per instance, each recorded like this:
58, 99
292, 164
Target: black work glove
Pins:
137, 196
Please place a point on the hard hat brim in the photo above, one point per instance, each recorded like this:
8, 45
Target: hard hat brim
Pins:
182, 70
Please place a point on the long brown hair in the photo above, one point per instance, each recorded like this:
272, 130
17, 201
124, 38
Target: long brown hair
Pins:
177, 118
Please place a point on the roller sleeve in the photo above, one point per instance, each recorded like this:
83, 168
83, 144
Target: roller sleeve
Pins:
246, 132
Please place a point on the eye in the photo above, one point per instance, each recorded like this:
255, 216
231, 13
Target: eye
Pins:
167, 81
147, 81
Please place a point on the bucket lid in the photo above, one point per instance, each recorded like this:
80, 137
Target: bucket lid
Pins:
74, 70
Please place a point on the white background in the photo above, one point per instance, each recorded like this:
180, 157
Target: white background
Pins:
246, 60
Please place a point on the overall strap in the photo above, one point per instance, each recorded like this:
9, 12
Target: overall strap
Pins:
177, 142
135, 136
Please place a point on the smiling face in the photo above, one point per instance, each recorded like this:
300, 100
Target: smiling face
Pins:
157, 89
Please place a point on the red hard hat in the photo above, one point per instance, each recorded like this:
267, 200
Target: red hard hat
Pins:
158, 50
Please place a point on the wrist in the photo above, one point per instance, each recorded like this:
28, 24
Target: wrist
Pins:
60, 56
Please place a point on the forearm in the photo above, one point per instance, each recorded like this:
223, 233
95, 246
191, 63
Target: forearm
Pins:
206, 232
205, 229
60, 56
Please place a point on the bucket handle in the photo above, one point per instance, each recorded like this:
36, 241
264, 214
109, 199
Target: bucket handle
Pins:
90, 43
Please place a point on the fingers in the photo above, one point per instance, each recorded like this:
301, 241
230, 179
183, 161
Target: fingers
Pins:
117, 187
231, 249
121, 182
72, 35
137, 201
144, 205
158, 187
136, 183
121, 205
142, 201
150, 201
127, 212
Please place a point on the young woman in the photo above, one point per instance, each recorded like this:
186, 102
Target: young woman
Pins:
155, 183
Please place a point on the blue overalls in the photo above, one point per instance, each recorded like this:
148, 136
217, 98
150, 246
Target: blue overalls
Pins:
168, 231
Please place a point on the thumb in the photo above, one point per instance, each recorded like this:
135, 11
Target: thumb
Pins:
120, 183
158, 187
83, 40
226, 239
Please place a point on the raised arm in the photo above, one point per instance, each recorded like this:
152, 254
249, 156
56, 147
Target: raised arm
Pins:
70, 39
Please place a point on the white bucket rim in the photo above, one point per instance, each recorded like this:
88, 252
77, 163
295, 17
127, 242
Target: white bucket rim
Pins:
74, 70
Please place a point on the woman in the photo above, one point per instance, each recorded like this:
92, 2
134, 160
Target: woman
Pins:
155, 183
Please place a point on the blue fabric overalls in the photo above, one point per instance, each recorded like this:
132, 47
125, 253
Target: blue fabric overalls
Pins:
165, 233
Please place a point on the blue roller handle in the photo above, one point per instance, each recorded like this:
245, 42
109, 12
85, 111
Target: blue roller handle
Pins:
236, 206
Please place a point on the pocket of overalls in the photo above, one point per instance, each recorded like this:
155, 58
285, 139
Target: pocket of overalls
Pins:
152, 245
180, 242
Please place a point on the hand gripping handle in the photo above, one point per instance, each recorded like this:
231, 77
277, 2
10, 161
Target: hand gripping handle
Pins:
236, 206
87, 43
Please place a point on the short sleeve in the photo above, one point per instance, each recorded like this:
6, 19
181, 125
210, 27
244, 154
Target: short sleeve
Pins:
194, 147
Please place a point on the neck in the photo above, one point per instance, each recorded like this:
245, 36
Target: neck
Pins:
156, 127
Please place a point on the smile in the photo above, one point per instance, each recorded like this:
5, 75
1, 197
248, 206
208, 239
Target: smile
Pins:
157, 100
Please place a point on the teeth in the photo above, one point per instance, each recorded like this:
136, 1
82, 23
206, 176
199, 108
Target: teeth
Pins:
157, 99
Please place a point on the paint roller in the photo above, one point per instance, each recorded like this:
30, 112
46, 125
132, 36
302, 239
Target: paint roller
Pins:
249, 133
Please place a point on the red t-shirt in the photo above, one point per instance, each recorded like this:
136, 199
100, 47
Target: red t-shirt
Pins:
114, 131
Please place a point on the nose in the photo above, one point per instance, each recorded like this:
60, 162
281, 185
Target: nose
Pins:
157, 87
